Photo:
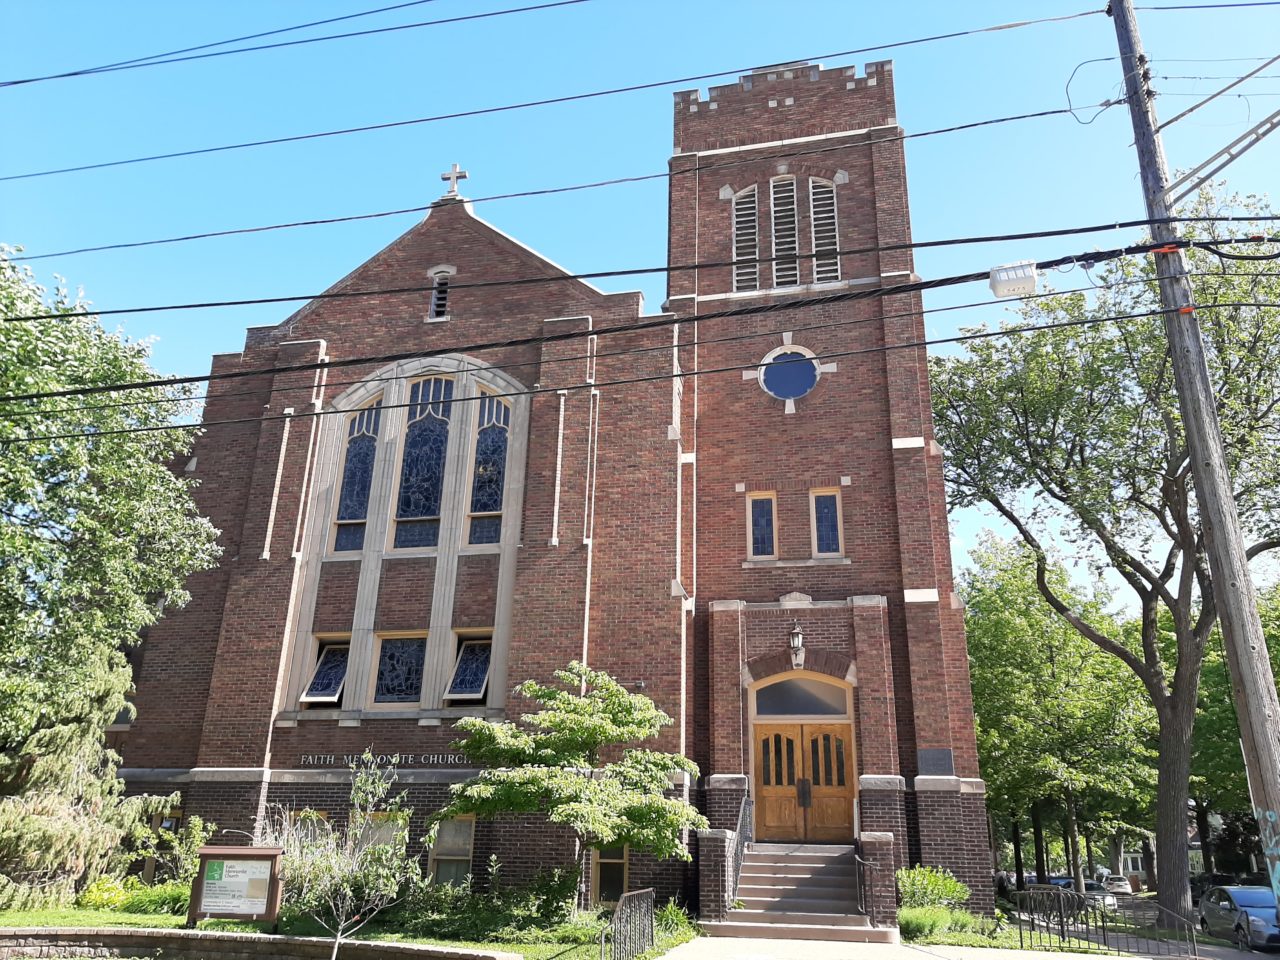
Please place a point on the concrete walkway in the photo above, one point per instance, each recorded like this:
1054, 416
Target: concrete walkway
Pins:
732, 948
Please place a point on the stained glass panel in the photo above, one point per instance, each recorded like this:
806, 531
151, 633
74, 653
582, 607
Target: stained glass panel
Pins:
357, 476
418, 533
762, 527
826, 519
471, 675
422, 466
400, 671
790, 375
490, 470
330, 674
486, 530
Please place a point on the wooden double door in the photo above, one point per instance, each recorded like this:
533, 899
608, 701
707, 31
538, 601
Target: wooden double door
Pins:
805, 782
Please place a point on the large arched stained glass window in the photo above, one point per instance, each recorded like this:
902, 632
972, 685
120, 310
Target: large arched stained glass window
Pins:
422, 468
489, 473
357, 476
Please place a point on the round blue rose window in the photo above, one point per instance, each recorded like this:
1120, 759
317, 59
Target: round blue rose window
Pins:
789, 375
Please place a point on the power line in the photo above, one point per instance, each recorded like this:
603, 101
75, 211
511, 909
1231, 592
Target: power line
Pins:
571, 98
598, 274
667, 175
533, 391
1213, 6
633, 351
665, 320
333, 36
217, 43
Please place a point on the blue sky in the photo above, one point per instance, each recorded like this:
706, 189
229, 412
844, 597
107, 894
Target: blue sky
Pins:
1036, 174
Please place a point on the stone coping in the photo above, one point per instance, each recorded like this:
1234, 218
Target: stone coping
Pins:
212, 945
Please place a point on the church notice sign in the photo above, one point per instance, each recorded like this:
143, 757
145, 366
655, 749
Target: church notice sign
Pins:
237, 882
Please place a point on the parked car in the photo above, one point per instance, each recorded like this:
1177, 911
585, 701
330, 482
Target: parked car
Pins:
1099, 894
1117, 884
1203, 881
1246, 915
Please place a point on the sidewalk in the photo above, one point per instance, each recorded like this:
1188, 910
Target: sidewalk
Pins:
733, 948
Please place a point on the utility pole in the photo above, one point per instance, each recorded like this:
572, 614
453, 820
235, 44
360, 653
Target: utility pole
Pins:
1257, 706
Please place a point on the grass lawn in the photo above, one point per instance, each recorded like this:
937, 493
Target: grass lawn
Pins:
110, 918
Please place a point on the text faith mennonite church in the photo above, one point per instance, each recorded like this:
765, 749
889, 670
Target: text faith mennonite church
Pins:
739, 512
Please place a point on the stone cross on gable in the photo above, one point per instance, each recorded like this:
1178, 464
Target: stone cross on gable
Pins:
453, 176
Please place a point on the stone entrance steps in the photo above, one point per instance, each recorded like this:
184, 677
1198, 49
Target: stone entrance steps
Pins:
796, 891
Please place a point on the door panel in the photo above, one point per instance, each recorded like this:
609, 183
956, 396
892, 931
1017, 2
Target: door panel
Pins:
805, 782
779, 765
829, 768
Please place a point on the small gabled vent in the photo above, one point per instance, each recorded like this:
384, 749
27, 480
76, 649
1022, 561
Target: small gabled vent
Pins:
746, 241
786, 239
826, 237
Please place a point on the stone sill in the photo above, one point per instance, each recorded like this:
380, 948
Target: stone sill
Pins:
354, 718
810, 562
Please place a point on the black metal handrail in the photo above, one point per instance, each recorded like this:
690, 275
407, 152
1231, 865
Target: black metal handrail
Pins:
631, 930
864, 875
1050, 918
742, 837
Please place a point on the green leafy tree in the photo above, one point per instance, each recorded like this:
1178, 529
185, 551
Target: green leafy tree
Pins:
97, 539
1074, 437
342, 875
1057, 718
557, 763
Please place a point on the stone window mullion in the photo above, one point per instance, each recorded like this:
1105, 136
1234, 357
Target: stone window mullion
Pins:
441, 644
363, 645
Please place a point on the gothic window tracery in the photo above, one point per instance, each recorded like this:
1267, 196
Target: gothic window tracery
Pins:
357, 476
400, 664
426, 445
489, 470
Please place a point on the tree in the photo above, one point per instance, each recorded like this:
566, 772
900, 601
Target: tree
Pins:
556, 765
97, 538
343, 875
1073, 436
1056, 717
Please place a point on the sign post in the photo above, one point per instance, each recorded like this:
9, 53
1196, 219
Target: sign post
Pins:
237, 883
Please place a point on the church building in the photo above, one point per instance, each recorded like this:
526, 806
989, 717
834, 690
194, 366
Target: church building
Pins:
734, 506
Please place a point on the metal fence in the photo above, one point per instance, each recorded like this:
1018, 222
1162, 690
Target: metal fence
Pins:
1057, 919
631, 931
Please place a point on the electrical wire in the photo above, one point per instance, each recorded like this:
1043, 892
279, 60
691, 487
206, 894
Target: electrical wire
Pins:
635, 351
533, 391
570, 98
1213, 96
635, 271
666, 320
546, 191
335, 36
1213, 6
217, 43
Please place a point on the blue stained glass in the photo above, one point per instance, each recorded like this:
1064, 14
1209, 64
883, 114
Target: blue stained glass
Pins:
422, 467
790, 375
472, 672
490, 469
762, 528
418, 533
350, 537
826, 519
357, 474
331, 671
486, 530
400, 671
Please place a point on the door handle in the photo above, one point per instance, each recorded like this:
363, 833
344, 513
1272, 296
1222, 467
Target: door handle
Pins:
804, 788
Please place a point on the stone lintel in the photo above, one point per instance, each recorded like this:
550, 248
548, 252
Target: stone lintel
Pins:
725, 606
869, 600
872, 781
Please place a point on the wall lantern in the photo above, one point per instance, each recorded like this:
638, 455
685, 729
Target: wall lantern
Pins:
797, 646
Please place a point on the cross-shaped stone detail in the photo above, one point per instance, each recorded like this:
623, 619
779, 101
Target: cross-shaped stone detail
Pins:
453, 176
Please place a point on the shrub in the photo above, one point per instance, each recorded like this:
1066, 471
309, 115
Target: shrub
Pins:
916, 923
930, 887
171, 897
105, 893
671, 919
177, 852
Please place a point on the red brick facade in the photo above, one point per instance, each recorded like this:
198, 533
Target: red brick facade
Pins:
624, 526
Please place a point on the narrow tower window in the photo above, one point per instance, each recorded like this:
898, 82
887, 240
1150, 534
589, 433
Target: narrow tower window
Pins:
786, 237
489, 473
746, 241
826, 238
357, 477
422, 468
441, 278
